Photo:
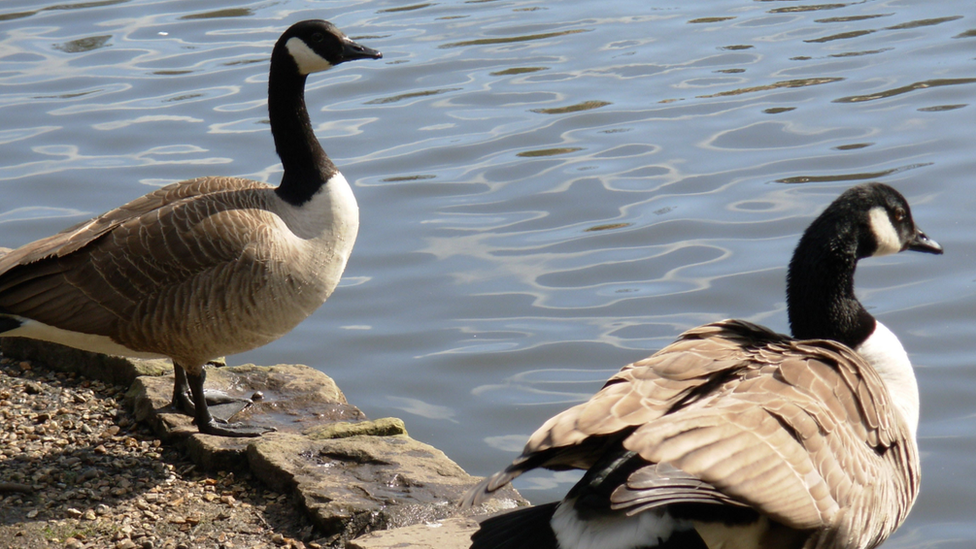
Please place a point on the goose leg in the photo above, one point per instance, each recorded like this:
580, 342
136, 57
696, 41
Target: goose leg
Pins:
206, 423
183, 400
181, 392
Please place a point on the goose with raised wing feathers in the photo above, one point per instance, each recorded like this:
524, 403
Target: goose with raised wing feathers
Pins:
735, 437
207, 267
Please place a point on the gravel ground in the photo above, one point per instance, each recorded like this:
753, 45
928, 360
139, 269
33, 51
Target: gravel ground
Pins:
77, 471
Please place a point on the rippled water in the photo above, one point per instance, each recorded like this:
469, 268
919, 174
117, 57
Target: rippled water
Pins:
549, 190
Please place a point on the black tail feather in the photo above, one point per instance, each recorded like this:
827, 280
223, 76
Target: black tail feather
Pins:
525, 528
529, 528
683, 539
8, 323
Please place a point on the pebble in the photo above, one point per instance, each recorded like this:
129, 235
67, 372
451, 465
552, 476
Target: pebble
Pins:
98, 478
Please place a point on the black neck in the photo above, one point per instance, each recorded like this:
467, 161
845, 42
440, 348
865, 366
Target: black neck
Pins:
307, 167
820, 296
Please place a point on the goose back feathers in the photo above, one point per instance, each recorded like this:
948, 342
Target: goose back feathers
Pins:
142, 268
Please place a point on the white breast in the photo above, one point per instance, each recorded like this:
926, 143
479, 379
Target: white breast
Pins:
884, 352
322, 233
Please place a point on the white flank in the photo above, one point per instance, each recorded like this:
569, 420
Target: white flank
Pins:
884, 352
87, 342
884, 232
307, 60
618, 531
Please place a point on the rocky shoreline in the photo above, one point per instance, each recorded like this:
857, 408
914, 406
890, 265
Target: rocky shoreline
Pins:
91, 456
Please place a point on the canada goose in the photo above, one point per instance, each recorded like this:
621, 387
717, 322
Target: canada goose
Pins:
206, 267
736, 437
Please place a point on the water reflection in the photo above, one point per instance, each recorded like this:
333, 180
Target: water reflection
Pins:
420, 408
841, 36
519, 70
907, 89
83, 44
559, 386
231, 12
19, 134
578, 107
800, 83
849, 176
37, 212
406, 8
511, 39
61, 7
924, 22
852, 18
548, 152
411, 95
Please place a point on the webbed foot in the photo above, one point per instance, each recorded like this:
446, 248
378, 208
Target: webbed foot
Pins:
183, 399
205, 421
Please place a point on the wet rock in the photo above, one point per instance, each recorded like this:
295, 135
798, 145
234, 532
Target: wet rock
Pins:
295, 398
378, 428
353, 485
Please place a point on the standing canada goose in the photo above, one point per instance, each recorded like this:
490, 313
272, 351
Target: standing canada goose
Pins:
206, 267
736, 437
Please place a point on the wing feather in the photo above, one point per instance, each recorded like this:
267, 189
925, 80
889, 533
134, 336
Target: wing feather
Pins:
91, 276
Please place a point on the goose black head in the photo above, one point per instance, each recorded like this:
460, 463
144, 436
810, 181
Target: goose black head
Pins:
867, 220
316, 45
872, 219
889, 223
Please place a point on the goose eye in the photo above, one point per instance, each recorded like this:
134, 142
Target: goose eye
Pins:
900, 215
318, 37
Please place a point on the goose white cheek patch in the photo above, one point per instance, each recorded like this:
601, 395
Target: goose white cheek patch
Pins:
307, 60
884, 232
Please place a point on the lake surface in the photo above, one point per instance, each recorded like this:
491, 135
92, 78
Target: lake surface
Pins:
548, 190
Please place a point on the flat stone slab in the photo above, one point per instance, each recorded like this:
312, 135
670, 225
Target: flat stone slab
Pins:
351, 476
353, 485
295, 399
